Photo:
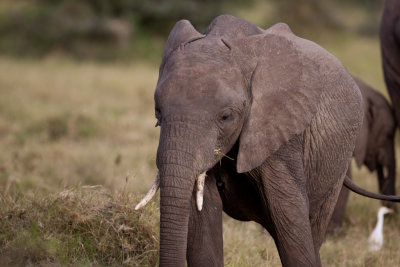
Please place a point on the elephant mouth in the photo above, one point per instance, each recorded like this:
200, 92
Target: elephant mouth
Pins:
200, 180
156, 185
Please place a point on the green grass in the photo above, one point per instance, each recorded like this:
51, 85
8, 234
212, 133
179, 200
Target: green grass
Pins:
67, 126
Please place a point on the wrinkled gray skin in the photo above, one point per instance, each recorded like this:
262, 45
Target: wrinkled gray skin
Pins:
282, 107
374, 148
390, 50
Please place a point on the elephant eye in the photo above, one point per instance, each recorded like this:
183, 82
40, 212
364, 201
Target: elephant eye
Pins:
226, 115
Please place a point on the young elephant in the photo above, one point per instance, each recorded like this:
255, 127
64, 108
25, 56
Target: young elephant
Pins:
374, 148
282, 107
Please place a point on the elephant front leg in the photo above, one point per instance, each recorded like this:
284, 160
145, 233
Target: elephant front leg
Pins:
205, 245
287, 203
291, 229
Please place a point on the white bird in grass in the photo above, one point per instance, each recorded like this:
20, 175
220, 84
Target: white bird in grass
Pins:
375, 240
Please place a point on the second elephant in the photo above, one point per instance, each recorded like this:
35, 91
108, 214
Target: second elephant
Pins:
374, 148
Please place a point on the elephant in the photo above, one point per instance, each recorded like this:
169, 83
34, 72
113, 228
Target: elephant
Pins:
374, 148
390, 50
260, 124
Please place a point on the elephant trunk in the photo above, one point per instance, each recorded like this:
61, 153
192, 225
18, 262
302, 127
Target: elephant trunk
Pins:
175, 195
178, 164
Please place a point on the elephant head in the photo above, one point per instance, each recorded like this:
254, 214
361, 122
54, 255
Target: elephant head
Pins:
213, 92
375, 142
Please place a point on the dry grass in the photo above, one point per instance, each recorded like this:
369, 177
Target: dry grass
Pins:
64, 125
78, 226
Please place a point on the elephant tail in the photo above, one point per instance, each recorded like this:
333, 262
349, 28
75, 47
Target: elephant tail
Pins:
361, 191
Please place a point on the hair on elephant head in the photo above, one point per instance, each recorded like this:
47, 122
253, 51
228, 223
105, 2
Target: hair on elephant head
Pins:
284, 109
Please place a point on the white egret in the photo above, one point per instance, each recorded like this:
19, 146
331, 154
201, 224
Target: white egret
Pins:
375, 240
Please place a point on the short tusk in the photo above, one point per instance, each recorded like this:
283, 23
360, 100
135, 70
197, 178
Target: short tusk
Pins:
385, 171
153, 190
200, 190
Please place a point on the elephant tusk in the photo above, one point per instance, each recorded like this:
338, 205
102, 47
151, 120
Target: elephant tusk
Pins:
200, 190
153, 190
385, 171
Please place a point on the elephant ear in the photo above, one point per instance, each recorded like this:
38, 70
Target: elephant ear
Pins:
285, 88
182, 33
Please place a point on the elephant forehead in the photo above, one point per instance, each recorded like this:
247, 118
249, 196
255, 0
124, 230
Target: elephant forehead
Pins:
192, 87
200, 68
207, 87
201, 56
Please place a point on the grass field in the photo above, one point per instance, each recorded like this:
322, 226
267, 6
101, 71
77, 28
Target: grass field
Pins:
77, 151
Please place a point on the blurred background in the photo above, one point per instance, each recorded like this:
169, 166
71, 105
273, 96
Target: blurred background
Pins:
77, 79
127, 29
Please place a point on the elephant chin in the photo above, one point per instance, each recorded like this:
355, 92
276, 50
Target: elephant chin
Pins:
156, 185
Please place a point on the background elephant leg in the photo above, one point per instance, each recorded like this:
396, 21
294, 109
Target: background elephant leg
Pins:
205, 245
387, 185
340, 208
386, 169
